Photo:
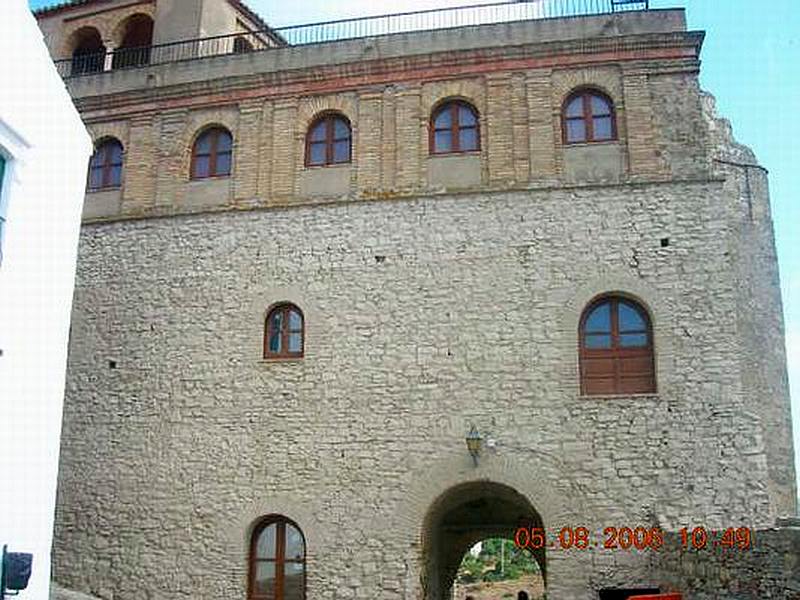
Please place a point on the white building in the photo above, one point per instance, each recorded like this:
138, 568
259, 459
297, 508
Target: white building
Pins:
45, 149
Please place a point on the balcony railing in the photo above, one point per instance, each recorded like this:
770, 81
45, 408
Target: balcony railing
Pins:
343, 29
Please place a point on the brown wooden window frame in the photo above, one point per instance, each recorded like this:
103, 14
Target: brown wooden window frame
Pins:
587, 116
103, 150
455, 127
329, 119
280, 556
617, 353
286, 330
213, 153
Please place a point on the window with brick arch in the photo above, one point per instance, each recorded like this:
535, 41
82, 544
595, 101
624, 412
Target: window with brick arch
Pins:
454, 128
277, 561
588, 116
616, 348
329, 141
105, 167
284, 332
212, 153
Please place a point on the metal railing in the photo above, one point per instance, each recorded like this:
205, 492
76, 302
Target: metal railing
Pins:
340, 30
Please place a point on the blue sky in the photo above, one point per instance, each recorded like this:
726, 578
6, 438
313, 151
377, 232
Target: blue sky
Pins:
750, 63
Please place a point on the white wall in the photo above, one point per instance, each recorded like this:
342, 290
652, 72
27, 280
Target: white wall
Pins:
47, 149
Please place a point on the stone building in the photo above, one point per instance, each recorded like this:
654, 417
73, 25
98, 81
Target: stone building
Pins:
318, 263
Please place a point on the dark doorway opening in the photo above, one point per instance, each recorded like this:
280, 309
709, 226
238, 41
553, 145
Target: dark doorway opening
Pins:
467, 514
134, 51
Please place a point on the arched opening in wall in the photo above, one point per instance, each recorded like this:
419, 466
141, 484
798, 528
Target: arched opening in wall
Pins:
481, 511
137, 40
497, 568
88, 51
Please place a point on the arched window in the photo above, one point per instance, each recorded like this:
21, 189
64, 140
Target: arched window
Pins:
89, 53
329, 141
283, 337
277, 561
616, 348
454, 128
211, 154
588, 116
137, 38
105, 168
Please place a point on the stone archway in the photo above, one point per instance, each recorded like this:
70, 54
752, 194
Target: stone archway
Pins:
463, 515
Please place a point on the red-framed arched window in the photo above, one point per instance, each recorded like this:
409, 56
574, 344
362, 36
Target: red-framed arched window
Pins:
329, 141
454, 128
277, 561
616, 348
588, 116
212, 153
284, 332
105, 167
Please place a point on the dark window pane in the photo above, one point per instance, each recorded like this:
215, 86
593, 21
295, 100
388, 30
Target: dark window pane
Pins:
443, 118
602, 128
598, 341
295, 320
316, 153
295, 548
468, 139
600, 107
203, 144
224, 142
576, 130
201, 166
443, 141
575, 107
115, 176
466, 116
115, 153
264, 584
318, 133
97, 158
599, 320
96, 178
341, 151
340, 129
293, 581
275, 326
633, 340
630, 319
223, 164
266, 545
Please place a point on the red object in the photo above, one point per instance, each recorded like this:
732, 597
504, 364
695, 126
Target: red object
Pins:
657, 597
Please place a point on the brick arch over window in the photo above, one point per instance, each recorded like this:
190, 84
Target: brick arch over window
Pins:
454, 127
616, 347
588, 115
105, 166
284, 332
277, 560
212, 153
87, 51
329, 140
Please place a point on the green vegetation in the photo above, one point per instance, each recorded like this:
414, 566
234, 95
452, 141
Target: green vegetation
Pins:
496, 563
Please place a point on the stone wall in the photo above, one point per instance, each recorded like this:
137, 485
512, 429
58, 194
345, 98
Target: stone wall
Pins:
770, 569
423, 316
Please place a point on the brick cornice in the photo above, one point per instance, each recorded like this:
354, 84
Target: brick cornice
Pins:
652, 50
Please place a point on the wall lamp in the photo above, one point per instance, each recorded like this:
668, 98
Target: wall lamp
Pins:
474, 442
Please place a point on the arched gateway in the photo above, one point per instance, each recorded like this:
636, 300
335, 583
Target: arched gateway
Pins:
464, 515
